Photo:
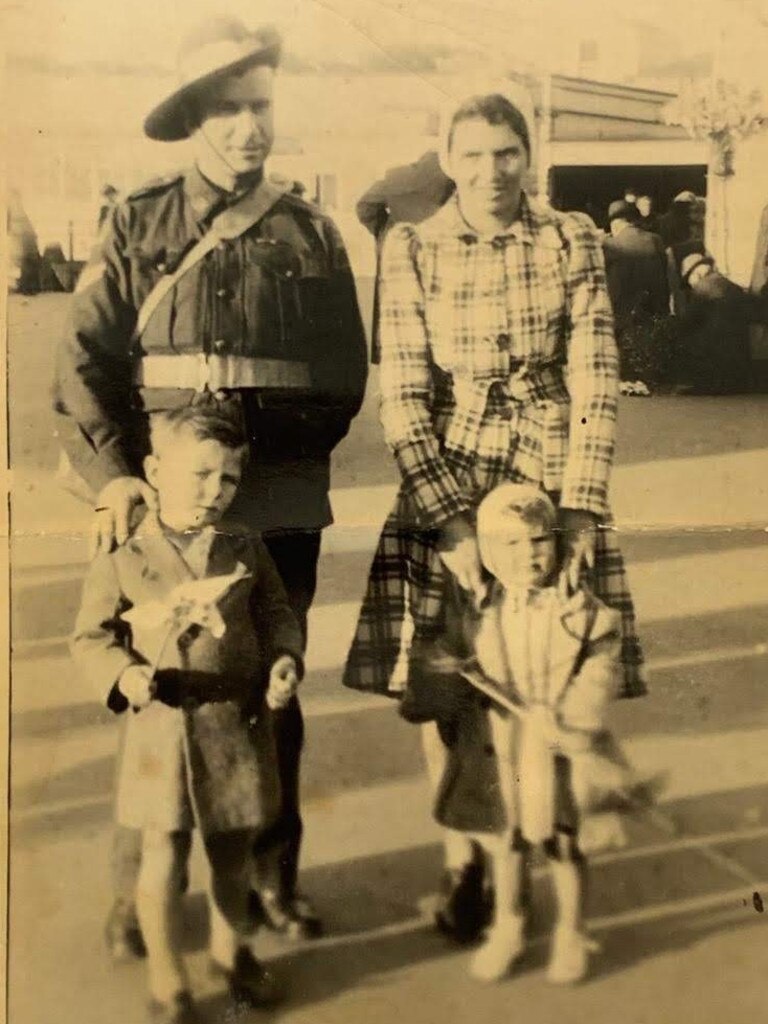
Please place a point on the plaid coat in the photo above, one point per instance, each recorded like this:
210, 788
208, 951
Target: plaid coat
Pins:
498, 363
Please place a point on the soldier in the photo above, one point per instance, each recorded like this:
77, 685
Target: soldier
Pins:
215, 286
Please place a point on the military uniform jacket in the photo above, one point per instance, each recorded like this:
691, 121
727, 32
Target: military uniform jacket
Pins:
283, 290
202, 752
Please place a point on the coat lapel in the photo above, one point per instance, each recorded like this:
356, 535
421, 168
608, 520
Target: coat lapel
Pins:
164, 568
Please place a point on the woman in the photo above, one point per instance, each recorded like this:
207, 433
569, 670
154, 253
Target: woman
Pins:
498, 363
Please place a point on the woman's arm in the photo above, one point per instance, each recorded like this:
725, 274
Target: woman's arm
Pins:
592, 372
406, 384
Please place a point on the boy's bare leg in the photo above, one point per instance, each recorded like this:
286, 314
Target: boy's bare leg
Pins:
158, 903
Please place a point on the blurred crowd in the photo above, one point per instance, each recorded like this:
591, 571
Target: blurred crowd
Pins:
680, 322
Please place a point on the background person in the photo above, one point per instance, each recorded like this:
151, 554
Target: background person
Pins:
714, 329
636, 273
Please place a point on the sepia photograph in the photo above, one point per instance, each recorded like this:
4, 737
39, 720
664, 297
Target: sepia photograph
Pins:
386, 511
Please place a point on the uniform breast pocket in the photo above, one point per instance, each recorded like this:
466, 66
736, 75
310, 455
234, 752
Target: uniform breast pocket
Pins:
273, 309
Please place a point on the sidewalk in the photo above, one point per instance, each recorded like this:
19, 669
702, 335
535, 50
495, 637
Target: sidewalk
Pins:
684, 939
675, 912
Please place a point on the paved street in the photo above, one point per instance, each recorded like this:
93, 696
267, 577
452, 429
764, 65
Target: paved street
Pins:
678, 912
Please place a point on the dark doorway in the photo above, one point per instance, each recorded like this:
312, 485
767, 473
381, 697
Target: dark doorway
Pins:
591, 189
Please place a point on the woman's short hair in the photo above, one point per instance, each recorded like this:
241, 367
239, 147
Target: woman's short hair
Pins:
495, 109
204, 422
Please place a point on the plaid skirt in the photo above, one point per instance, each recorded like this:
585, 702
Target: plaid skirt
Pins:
404, 600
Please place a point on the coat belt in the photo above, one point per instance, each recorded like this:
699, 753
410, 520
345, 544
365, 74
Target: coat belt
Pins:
200, 371
525, 383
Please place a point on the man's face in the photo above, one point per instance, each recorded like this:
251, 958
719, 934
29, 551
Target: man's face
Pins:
487, 162
237, 120
523, 554
195, 480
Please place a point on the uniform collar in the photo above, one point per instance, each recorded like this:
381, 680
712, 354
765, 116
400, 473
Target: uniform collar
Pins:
207, 199
523, 228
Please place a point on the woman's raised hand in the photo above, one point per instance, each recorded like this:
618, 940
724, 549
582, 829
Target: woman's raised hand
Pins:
460, 554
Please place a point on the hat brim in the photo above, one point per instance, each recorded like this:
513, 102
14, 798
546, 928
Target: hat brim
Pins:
167, 121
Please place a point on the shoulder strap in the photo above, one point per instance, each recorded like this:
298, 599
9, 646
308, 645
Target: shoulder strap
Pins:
229, 224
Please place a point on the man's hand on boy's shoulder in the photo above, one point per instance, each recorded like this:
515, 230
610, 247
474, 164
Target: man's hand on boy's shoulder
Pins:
283, 682
137, 685
115, 507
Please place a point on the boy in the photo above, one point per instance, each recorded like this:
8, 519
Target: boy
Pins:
556, 656
190, 628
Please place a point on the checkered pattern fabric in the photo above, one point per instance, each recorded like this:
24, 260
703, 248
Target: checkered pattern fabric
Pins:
498, 363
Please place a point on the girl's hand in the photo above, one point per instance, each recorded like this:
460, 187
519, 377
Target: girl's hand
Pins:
283, 682
137, 685
460, 554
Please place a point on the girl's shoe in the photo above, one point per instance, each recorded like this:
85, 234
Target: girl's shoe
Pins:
503, 945
569, 960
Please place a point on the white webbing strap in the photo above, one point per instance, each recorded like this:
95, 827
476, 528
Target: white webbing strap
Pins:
229, 224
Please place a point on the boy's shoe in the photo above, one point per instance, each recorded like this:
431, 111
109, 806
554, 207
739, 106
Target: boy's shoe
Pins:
123, 934
249, 980
293, 917
464, 907
181, 1010
569, 960
504, 944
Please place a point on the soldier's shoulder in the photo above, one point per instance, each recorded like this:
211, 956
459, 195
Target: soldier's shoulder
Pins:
302, 205
155, 186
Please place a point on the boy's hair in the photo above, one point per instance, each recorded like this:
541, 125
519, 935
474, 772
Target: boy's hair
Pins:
205, 423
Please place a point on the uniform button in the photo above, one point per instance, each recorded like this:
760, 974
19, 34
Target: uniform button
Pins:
223, 293
503, 342
220, 346
498, 243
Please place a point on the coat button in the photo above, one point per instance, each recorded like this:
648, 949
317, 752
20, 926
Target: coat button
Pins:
223, 293
503, 342
220, 345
